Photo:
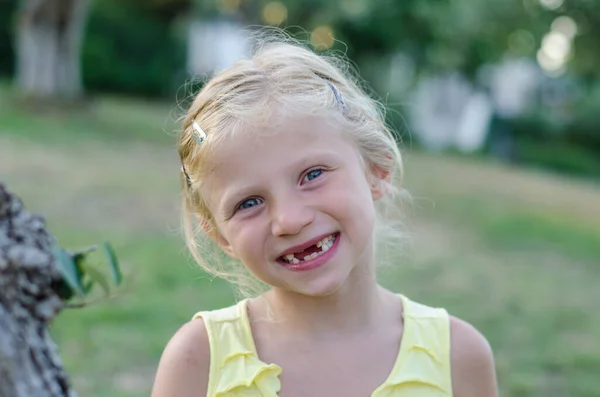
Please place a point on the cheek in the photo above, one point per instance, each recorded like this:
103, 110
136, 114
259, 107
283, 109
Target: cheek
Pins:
361, 200
248, 242
245, 240
351, 200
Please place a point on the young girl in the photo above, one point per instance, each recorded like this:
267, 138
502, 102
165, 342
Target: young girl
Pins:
289, 169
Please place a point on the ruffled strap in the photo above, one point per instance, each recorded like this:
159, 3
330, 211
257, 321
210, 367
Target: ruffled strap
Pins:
235, 369
423, 362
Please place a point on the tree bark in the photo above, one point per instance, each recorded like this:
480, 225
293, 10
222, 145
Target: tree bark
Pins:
48, 45
29, 362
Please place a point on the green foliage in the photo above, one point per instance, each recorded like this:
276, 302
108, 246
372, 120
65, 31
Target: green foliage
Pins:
113, 262
129, 48
568, 144
7, 53
585, 127
80, 276
443, 34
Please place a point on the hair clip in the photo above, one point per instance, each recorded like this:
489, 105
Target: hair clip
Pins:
198, 133
336, 94
188, 181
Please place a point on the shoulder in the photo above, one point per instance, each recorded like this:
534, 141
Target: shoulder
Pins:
472, 362
184, 366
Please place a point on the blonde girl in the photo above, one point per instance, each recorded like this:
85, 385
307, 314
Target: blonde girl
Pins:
289, 169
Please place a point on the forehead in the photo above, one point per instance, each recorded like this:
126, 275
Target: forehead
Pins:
252, 147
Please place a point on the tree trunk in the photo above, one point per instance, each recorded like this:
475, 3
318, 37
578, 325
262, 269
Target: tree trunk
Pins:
48, 45
29, 362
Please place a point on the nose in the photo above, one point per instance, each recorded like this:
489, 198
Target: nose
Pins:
290, 216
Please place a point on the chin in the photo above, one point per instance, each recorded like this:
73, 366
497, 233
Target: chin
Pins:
320, 286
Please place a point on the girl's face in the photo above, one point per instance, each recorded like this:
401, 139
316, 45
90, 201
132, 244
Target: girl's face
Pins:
294, 205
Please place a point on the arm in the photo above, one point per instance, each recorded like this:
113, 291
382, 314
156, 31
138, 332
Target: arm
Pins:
184, 365
472, 362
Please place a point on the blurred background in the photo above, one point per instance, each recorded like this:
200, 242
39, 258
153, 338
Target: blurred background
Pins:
497, 106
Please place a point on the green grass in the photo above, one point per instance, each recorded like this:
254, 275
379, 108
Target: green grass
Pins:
514, 252
108, 120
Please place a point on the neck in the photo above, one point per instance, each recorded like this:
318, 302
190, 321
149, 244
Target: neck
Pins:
354, 307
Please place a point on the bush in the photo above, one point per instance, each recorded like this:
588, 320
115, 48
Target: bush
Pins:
585, 128
7, 53
130, 50
572, 146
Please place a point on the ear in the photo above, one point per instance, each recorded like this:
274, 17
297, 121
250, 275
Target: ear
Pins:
380, 178
212, 232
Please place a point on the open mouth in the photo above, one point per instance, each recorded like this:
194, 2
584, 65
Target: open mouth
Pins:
311, 252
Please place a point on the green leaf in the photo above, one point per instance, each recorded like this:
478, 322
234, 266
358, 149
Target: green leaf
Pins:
62, 289
96, 276
69, 270
88, 287
81, 255
113, 262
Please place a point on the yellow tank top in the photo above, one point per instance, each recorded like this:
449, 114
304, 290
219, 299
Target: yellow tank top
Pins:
422, 367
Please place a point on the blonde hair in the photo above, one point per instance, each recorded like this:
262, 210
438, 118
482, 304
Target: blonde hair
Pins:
282, 74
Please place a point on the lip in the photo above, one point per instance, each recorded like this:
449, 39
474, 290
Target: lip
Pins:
315, 262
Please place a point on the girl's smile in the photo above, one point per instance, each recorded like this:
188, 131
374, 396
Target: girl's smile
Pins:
310, 255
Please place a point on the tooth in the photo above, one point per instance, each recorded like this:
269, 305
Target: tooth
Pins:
295, 261
311, 256
289, 257
320, 243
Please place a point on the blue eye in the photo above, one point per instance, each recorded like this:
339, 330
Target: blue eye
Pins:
244, 205
313, 174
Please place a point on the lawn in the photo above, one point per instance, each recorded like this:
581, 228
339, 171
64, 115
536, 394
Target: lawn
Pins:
515, 252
